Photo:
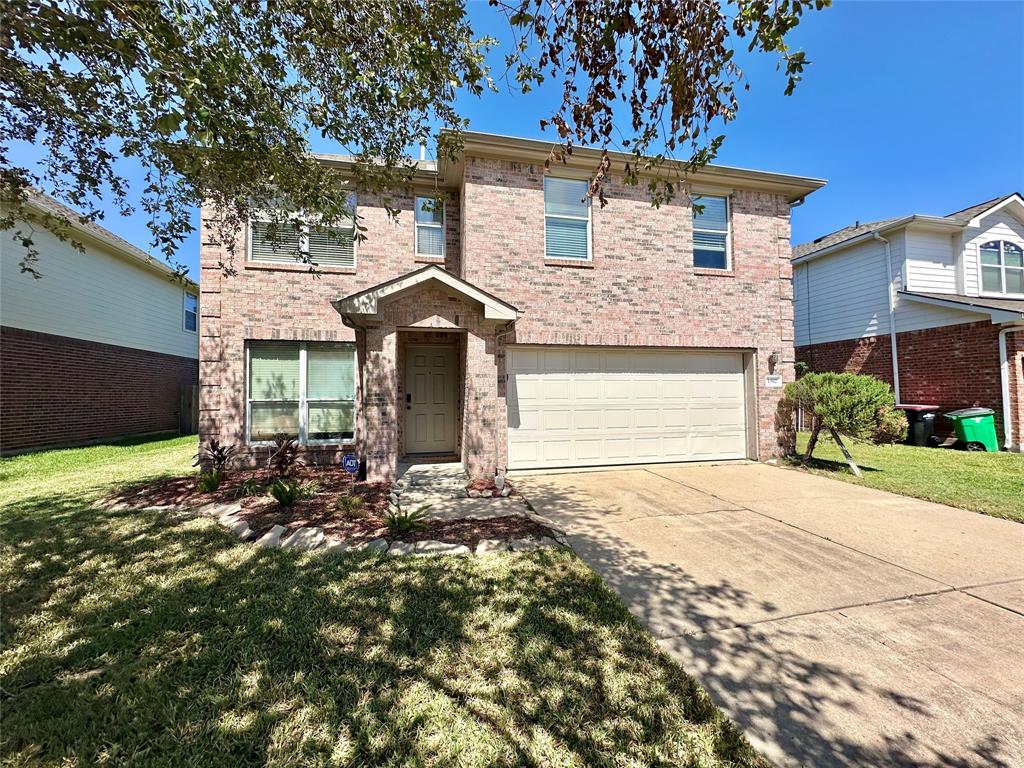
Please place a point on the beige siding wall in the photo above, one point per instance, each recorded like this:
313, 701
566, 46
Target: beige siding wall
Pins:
95, 296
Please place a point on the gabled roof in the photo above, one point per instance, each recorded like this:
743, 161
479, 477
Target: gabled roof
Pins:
366, 303
957, 219
47, 205
1000, 310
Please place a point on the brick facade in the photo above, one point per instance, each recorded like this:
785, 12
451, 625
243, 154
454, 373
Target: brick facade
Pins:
955, 366
56, 391
639, 290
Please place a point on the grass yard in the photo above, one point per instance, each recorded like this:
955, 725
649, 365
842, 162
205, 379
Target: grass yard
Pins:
134, 638
992, 483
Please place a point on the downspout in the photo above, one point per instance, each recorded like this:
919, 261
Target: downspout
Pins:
1004, 385
892, 320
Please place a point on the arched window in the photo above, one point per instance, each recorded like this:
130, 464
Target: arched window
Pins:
1002, 267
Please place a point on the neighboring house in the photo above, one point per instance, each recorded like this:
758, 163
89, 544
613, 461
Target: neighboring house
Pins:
511, 324
99, 347
932, 304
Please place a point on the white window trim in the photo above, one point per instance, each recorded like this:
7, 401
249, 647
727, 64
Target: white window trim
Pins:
184, 311
303, 401
728, 231
589, 220
1002, 270
303, 241
443, 226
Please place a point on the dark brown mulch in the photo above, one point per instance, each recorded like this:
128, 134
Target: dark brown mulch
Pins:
263, 512
470, 532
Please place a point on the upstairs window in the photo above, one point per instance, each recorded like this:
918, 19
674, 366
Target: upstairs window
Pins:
304, 391
191, 312
298, 243
566, 220
430, 227
711, 240
1002, 267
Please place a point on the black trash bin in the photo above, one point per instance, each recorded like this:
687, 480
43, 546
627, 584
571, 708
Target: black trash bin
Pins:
921, 420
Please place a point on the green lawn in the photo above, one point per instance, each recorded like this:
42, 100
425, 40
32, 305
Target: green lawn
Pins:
142, 639
992, 483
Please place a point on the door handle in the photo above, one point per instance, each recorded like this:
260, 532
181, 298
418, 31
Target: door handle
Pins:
408, 401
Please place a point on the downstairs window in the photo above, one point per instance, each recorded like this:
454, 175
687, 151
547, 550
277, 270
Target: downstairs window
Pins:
301, 390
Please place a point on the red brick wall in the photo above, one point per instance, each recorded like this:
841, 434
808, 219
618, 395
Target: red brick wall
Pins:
955, 366
641, 288
60, 391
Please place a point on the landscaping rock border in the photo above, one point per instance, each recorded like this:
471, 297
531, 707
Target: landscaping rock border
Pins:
314, 540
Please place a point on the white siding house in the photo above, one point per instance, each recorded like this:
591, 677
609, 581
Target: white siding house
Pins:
917, 281
103, 343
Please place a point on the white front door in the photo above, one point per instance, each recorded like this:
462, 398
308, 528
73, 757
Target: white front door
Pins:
588, 406
430, 396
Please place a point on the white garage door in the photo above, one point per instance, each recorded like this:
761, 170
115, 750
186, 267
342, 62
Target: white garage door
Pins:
587, 406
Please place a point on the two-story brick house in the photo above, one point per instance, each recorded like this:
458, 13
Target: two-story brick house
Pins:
505, 321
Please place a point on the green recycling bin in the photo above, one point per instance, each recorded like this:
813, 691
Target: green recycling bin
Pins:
975, 428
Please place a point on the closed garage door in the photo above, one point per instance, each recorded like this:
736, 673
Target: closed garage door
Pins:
587, 406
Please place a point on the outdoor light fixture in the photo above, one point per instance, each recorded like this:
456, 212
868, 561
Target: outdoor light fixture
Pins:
773, 360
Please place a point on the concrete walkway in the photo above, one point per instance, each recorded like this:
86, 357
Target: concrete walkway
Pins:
837, 625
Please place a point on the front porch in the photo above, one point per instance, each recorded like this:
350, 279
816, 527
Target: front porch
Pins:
431, 373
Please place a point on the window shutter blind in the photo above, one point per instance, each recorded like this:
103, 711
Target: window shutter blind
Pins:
335, 247
565, 197
274, 372
429, 241
715, 214
330, 373
262, 249
565, 239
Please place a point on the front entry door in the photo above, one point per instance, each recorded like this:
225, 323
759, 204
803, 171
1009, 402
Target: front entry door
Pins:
430, 395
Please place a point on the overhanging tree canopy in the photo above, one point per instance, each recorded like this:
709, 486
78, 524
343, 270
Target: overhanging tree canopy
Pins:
217, 99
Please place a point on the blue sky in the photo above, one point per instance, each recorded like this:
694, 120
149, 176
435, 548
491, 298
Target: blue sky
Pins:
907, 107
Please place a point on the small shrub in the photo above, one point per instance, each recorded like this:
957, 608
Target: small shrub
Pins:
351, 506
398, 521
892, 425
250, 487
285, 456
309, 489
285, 492
210, 481
215, 454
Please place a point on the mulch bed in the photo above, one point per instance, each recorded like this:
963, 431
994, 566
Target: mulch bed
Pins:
470, 532
263, 512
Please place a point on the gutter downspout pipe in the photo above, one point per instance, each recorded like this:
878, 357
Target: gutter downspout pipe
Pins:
1004, 385
892, 319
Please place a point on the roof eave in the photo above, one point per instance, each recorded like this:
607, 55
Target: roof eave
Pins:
133, 253
996, 314
906, 221
489, 144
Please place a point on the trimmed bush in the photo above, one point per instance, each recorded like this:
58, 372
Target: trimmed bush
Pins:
850, 404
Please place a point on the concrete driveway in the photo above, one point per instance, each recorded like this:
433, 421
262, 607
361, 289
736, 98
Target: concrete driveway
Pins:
837, 625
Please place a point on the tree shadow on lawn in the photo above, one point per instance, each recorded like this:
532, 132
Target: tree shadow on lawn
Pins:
141, 638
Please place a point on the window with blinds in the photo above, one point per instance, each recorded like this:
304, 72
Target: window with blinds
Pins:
320, 246
711, 242
566, 219
303, 391
1002, 267
430, 227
